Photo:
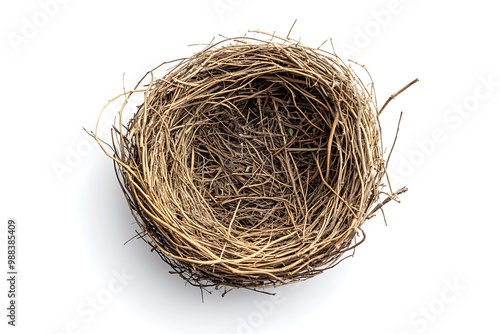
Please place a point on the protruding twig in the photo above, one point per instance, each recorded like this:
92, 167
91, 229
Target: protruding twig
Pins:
393, 96
393, 197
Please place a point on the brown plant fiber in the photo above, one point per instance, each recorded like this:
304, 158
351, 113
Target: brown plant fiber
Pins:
252, 163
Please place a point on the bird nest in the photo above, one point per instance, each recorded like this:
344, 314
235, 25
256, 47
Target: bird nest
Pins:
252, 163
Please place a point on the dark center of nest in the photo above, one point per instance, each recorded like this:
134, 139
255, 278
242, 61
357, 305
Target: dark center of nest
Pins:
253, 160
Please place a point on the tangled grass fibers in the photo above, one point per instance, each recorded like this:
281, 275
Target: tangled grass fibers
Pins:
253, 163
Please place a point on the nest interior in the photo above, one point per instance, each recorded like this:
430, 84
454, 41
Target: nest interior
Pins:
252, 163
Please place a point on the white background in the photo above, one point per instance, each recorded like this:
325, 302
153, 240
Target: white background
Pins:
432, 269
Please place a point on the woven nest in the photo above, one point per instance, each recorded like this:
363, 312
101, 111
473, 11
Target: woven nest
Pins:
253, 163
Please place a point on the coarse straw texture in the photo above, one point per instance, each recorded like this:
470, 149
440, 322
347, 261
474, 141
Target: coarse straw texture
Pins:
252, 163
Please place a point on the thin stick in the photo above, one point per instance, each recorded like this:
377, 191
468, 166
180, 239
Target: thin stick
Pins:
387, 200
329, 146
393, 96
392, 148
290, 31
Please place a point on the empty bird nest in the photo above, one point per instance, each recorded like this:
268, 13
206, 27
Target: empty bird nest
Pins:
252, 163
